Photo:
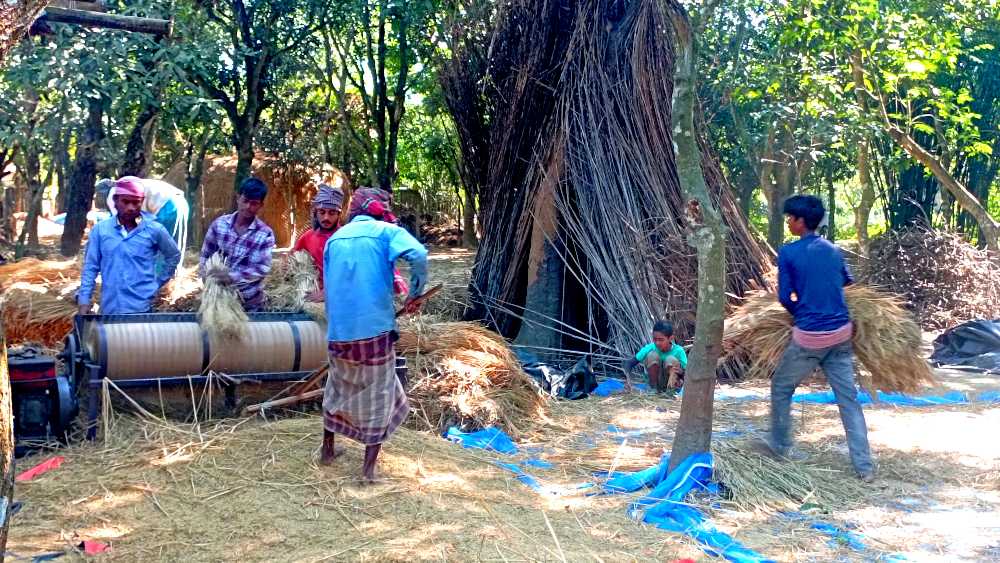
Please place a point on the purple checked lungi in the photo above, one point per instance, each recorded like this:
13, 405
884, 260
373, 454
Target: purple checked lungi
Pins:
363, 399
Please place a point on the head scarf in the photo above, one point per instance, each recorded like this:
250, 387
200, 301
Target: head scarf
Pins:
373, 202
328, 197
130, 186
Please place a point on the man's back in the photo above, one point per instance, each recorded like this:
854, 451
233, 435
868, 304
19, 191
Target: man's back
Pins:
358, 276
813, 269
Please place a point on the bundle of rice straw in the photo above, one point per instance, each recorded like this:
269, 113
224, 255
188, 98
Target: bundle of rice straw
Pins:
32, 314
887, 341
221, 314
290, 282
462, 374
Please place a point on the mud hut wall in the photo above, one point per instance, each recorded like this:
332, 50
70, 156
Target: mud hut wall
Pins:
287, 207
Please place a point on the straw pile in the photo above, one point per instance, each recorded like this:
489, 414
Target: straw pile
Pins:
462, 374
30, 314
37, 297
887, 341
221, 314
290, 282
945, 280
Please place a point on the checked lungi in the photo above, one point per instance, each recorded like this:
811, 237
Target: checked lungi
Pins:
364, 399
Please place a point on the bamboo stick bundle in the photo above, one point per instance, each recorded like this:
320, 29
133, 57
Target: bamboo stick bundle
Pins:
887, 341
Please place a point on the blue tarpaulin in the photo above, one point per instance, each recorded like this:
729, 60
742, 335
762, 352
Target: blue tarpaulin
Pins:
664, 507
899, 399
487, 439
841, 537
608, 387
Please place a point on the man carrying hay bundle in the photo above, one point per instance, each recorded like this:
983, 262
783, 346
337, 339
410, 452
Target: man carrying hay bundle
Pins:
363, 399
326, 220
245, 243
811, 279
123, 249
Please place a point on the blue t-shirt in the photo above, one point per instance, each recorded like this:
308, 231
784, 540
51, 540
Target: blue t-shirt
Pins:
813, 270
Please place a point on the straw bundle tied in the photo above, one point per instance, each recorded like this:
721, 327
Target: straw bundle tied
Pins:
887, 341
221, 314
467, 376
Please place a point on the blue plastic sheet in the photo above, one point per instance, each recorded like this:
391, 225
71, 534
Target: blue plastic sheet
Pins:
899, 399
841, 537
664, 507
609, 387
487, 439
631, 482
522, 476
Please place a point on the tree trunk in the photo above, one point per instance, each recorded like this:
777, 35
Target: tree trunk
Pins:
965, 198
139, 152
707, 235
81, 182
864, 207
195, 168
29, 231
6, 447
61, 156
540, 326
244, 156
469, 239
831, 208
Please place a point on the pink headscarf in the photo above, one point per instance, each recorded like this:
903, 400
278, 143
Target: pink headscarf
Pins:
130, 186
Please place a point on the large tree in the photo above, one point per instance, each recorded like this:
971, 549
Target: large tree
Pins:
244, 50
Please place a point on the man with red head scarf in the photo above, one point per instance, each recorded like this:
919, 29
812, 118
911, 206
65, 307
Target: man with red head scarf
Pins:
123, 249
326, 221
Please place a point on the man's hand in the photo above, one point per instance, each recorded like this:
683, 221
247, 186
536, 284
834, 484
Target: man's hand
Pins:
85, 309
221, 277
412, 305
316, 296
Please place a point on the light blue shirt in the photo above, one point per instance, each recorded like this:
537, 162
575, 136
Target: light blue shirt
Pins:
357, 277
126, 262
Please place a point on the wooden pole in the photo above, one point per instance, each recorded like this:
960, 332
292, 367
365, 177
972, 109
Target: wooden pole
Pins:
286, 402
6, 447
134, 24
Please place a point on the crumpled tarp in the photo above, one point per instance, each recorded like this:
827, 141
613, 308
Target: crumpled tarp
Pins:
664, 507
974, 344
899, 399
841, 537
608, 387
487, 439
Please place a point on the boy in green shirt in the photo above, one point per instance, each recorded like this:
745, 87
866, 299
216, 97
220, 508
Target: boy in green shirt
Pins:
664, 359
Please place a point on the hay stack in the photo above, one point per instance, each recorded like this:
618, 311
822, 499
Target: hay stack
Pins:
31, 314
221, 314
945, 280
887, 340
463, 374
290, 282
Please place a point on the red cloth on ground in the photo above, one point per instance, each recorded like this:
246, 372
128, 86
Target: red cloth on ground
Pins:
313, 241
43, 467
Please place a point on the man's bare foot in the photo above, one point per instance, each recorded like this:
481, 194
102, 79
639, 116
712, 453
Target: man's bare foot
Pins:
370, 478
330, 451
327, 458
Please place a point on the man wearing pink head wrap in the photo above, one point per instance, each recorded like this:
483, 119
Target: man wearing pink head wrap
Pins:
122, 249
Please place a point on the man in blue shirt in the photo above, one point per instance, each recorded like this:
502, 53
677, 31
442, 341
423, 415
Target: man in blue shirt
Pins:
811, 279
123, 250
363, 399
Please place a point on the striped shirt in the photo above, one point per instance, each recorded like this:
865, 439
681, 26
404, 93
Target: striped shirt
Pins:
248, 255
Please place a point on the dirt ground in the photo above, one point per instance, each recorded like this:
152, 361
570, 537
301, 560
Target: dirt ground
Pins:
251, 490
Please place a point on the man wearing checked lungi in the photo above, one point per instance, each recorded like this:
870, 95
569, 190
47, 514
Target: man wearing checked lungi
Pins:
363, 399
